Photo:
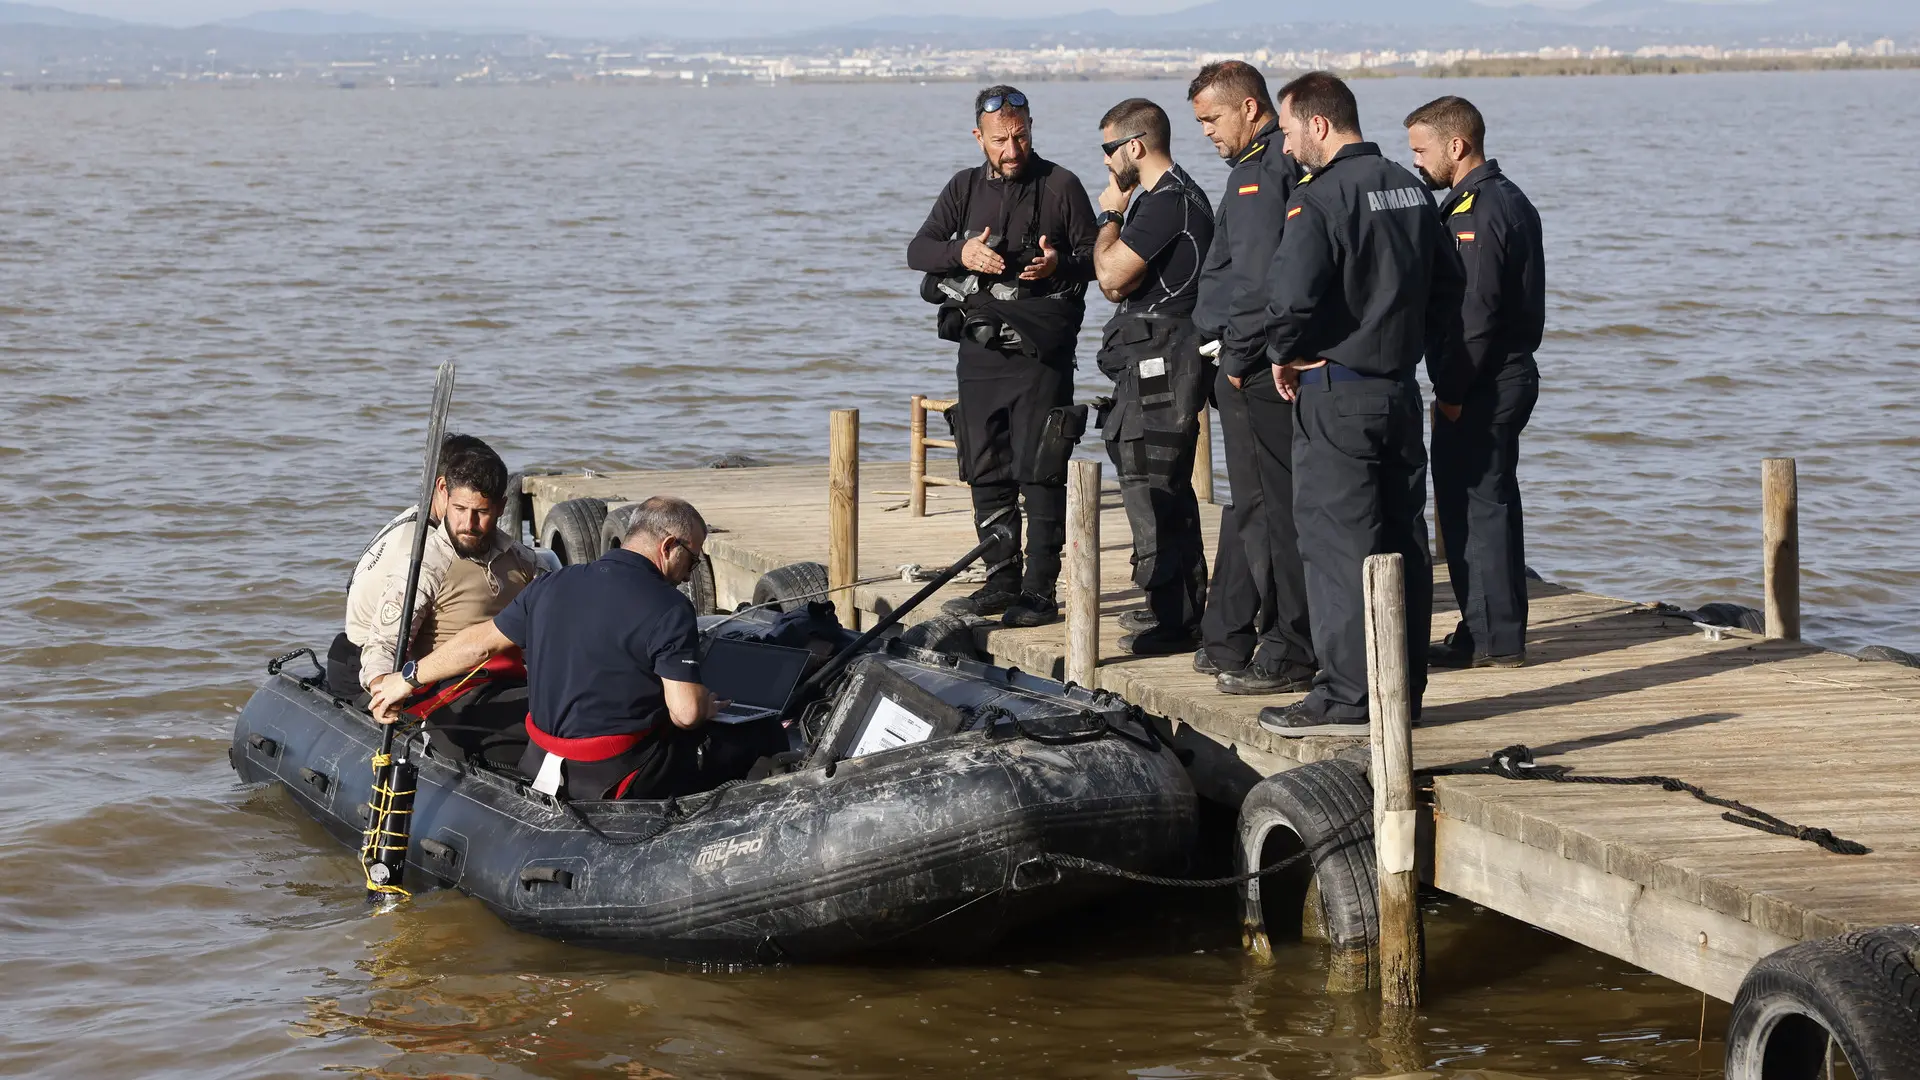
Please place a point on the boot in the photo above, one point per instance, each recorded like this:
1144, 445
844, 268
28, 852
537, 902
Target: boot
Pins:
1032, 609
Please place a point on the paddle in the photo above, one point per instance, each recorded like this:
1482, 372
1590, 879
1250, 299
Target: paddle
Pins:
383, 853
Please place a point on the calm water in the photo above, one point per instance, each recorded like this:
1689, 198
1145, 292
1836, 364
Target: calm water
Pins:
219, 312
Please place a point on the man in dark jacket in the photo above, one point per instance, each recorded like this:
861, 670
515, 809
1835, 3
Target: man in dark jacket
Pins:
1255, 637
1008, 250
1365, 280
1483, 410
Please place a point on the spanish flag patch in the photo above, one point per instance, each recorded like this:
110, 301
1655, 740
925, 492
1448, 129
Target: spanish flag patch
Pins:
1295, 212
1464, 237
1249, 189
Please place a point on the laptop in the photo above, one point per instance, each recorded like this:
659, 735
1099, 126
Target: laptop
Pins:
757, 678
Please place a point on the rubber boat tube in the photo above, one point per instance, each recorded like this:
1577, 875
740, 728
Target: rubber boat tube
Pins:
937, 847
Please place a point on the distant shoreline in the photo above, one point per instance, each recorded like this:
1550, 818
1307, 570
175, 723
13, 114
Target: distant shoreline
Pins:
1525, 67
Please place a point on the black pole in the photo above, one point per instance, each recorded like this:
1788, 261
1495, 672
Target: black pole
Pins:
390, 811
997, 535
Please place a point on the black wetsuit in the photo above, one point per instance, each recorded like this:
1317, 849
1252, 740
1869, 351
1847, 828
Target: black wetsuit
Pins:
1257, 602
1365, 278
1152, 352
1476, 488
1007, 389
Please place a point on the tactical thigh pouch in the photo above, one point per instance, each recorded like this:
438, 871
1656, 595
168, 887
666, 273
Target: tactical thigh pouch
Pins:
956, 424
1061, 433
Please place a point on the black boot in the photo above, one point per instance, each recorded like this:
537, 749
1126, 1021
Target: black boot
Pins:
1260, 677
1032, 609
987, 601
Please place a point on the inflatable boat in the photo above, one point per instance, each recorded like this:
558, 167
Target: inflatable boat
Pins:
921, 809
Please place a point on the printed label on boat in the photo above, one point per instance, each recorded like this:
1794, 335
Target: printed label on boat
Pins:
716, 854
890, 725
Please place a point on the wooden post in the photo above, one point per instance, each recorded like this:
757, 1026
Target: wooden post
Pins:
1083, 571
917, 457
1390, 708
1203, 459
1780, 529
843, 512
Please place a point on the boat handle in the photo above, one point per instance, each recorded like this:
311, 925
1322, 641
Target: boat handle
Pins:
317, 779
260, 742
442, 852
552, 875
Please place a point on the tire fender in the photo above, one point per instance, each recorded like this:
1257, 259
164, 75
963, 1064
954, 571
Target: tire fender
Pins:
790, 587
1325, 807
1859, 991
572, 530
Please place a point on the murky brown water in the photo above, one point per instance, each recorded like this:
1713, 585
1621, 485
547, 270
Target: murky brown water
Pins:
218, 316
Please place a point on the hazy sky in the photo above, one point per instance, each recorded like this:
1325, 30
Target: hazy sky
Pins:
180, 12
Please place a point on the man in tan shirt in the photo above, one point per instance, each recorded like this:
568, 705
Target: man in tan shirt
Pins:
469, 570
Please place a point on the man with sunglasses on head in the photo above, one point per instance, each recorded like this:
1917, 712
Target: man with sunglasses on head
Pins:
1155, 227
1007, 251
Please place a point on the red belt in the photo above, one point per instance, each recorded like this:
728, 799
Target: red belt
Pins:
508, 664
592, 748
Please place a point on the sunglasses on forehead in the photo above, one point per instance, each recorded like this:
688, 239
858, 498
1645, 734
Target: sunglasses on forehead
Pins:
1107, 148
997, 102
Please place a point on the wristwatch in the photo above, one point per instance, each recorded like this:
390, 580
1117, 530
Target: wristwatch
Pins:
407, 671
1105, 216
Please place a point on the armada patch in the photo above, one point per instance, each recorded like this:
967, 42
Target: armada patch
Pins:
1249, 189
1405, 198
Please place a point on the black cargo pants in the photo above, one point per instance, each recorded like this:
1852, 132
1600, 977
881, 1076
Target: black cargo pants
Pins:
1004, 402
1257, 602
1476, 494
1160, 386
1360, 489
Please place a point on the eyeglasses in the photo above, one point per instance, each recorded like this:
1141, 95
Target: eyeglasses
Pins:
995, 103
1107, 148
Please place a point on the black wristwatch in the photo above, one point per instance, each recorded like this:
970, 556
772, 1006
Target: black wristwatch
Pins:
1105, 216
407, 671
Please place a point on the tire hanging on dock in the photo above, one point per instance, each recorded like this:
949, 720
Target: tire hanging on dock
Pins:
1325, 807
1856, 995
572, 530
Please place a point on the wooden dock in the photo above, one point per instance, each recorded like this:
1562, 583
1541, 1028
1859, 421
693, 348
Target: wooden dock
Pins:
1611, 688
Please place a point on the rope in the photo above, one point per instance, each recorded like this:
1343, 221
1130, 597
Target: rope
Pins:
1516, 763
1075, 862
374, 838
673, 816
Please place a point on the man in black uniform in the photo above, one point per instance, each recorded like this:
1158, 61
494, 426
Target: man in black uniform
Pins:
1364, 281
1476, 436
1256, 637
1147, 258
1008, 250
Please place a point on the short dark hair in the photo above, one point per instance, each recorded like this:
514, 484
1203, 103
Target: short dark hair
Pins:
1236, 79
1139, 114
998, 90
1452, 117
664, 516
1322, 93
466, 462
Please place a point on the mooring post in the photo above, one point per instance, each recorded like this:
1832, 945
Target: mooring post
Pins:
1780, 531
1083, 571
843, 512
1203, 459
1390, 708
917, 457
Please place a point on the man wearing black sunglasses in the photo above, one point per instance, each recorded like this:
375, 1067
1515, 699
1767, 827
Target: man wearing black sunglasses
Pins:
1007, 252
1155, 227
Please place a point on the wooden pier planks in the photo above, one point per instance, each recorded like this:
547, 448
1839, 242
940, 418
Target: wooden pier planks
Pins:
1611, 688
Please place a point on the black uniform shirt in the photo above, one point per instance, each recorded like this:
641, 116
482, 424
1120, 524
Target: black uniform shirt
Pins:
1046, 200
1365, 274
1170, 227
599, 637
1247, 225
1497, 232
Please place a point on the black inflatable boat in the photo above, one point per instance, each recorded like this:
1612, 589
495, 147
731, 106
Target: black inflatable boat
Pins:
873, 841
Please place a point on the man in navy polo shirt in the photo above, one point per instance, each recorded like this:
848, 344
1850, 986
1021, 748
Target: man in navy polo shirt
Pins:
617, 708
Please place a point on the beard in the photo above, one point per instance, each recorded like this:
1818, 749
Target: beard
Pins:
1007, 172
1127, 175
1433, 182
468, 545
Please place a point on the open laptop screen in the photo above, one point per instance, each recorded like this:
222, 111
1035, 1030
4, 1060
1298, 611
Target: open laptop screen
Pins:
752, 673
